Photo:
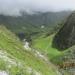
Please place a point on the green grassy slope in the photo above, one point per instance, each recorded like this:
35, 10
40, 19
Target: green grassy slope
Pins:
17, 61
44, 44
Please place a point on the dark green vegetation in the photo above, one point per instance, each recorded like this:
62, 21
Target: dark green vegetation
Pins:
31, 24
65, 38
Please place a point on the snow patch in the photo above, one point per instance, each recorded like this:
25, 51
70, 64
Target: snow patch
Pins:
37, 53
42, 26
3, 73
26, 45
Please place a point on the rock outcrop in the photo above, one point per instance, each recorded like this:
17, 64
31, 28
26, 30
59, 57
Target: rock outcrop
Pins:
65, 38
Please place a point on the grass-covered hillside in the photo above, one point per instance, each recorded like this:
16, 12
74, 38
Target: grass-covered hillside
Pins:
44, 44
15, 60
64, 60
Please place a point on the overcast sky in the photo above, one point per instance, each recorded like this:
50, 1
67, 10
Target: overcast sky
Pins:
12, 7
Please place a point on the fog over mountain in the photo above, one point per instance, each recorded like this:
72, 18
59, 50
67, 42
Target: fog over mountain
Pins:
13, 7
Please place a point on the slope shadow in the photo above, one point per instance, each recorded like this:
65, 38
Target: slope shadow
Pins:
65, 37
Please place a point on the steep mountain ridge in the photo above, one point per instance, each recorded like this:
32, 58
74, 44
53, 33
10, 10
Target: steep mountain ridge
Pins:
65, 37
65, 40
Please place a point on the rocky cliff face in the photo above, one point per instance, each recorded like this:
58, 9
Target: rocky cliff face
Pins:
65, 38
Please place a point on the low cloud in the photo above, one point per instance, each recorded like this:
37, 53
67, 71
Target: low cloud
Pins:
13, 7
